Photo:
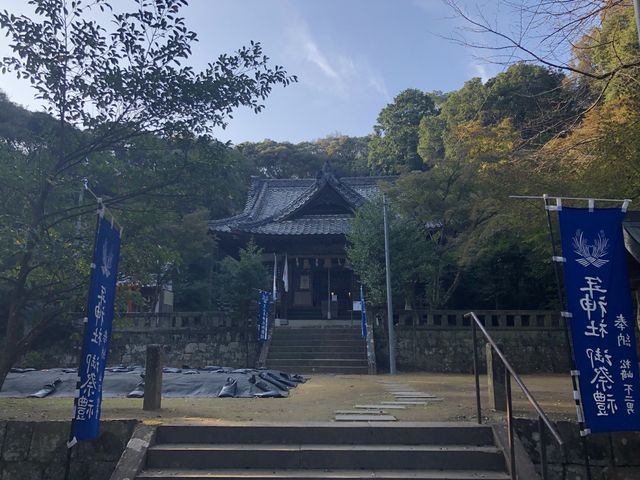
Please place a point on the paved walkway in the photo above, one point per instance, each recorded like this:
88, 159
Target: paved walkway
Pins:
320, 398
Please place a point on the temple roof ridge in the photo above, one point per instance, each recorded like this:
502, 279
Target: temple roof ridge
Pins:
278, 206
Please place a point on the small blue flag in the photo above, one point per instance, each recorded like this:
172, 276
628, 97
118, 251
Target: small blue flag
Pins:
263, 316
363, 313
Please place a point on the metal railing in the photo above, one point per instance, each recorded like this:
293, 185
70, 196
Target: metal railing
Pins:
543, 419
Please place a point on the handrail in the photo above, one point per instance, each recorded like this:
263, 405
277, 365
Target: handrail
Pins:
518, 379
510, 372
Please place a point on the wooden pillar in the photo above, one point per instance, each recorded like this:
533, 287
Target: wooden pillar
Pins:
329, 289
496, 381
153, 378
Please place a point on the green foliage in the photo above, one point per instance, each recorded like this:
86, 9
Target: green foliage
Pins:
600, 153
393, 147
123, 110
365, 252
348, 157
237, 281
608, 47
131, 74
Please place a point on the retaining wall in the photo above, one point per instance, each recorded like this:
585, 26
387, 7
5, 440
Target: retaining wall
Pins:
196, 339
612, 456
37, 450
441, 340
224, 346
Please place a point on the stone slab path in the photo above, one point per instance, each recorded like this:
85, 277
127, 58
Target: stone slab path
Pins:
405, 397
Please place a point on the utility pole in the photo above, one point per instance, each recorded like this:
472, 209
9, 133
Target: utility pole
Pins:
392, 335
636, 6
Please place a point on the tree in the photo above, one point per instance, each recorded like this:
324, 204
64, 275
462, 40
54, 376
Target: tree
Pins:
348, 156
238, 281
547, 32
284, 159
106, 82
600, 153
365, 252
393, 146
455, 202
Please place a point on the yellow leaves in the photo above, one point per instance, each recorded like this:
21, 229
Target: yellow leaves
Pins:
474, 143
601, 154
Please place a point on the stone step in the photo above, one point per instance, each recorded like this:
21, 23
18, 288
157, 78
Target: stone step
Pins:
303, 332
302, 344
274, 474
317, 341
339, 347
318, 332
325, 456
317, 361
360, 412
359, 417
309, 326
282, 354
318, 369
403, 433
292, 355
324, 350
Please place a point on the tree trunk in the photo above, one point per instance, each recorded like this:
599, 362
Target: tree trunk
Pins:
10, 347
19, 293
6, 362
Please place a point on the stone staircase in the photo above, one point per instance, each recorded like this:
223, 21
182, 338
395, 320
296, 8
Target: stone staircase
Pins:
318, 350
446, 451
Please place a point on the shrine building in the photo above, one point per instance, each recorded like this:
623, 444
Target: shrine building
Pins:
301, 224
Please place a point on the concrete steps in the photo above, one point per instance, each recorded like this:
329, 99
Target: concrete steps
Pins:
255, 474
318, 350
447, 451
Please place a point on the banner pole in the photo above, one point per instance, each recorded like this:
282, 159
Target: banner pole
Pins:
569, 346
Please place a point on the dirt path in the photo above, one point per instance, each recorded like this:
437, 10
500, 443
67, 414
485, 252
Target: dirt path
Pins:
316, 401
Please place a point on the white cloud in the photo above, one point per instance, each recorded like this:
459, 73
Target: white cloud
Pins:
328, 71
480, 70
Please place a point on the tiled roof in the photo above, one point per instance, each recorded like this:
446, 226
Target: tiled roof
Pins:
273, 205
310, 225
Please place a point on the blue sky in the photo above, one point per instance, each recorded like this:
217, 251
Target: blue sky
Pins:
351, 57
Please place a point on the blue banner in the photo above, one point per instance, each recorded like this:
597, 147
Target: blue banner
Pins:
602, 317
97, 333
363, 314
263, 316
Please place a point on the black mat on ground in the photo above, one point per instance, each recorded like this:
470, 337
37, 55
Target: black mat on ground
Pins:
121, 381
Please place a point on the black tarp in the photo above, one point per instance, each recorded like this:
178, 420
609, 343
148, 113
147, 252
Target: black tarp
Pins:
176, 382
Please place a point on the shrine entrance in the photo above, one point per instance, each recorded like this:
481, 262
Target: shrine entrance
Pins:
319, 288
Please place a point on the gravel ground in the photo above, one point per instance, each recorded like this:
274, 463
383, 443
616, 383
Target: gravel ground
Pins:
317, 400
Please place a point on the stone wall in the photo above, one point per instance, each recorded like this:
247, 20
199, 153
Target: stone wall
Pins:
37, 450
441, 340
224, 346
612, 456
196, 339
